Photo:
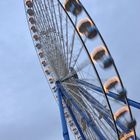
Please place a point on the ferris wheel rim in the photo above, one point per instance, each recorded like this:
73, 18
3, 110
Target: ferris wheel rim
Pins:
93, 63
113, 65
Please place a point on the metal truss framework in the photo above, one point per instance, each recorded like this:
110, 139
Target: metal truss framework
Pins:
79, 66
63, 98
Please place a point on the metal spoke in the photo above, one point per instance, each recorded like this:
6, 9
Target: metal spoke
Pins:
64, 32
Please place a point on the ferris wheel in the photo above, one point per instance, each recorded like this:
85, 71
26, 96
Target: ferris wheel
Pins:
81, 71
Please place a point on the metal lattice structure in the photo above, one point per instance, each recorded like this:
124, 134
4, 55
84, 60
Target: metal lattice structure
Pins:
81, 71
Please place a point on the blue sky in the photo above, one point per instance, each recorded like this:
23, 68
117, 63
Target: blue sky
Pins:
27, 108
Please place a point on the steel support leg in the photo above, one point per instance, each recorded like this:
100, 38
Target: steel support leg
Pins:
88, 120
63, 120
111, 94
